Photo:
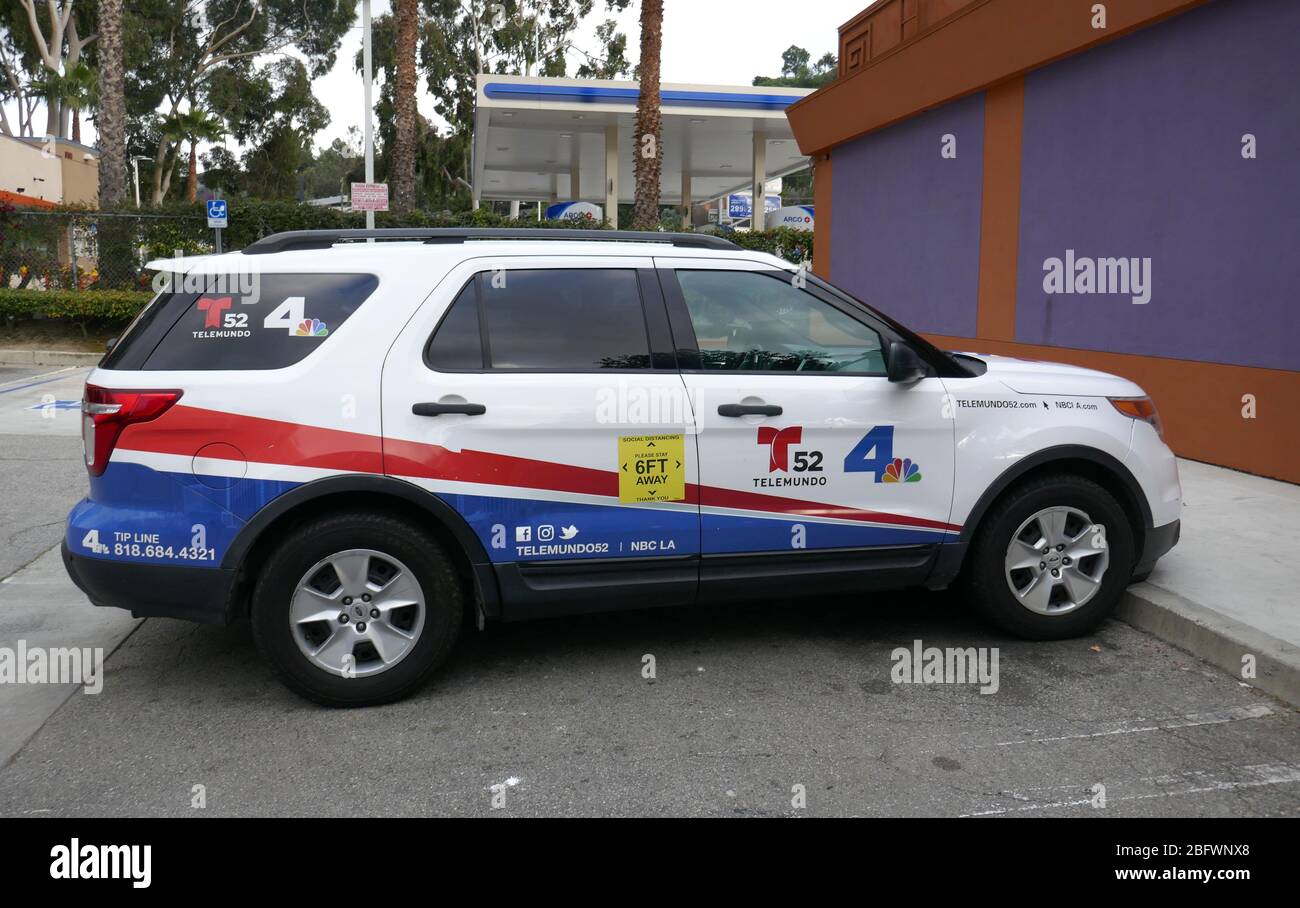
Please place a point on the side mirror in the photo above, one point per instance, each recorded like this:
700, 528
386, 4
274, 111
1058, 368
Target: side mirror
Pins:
904, 366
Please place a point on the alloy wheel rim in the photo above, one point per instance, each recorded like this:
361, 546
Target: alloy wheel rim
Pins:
357, 613
1056, 560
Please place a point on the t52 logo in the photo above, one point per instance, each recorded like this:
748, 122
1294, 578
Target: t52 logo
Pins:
213, 306
778, 443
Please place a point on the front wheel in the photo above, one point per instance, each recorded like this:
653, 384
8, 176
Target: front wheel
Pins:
1052, 558
357, 608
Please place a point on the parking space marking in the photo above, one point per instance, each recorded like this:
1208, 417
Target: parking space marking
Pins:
1188, 720
45, 379
1216, 717
1193, 783
45, 404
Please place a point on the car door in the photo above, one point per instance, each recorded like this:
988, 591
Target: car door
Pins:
539, 398
810, 458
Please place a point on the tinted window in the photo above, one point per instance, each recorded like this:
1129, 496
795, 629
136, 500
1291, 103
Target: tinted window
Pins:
747, 321
567, 320
456, 345
268, 323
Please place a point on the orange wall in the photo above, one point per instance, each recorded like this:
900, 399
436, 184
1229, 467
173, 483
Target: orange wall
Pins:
972, 46
822, 205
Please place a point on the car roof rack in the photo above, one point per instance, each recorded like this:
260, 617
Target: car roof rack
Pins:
324, 239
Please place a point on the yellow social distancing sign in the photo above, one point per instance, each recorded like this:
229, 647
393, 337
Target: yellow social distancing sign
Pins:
651, 468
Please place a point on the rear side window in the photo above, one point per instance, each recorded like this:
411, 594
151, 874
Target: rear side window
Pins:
267, 323
559, 320
457, 344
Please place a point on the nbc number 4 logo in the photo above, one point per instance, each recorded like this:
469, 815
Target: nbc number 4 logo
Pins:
875, 454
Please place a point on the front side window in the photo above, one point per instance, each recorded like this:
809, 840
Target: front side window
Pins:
565, 320
751, 322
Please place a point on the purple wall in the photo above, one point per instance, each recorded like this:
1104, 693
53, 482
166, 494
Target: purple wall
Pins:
1134, 149
906, 222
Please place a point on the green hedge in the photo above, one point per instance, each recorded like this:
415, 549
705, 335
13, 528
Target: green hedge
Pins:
81, 305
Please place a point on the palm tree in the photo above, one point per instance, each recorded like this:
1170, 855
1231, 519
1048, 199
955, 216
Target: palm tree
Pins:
647, 151
82, 93
195, 125
74, 88
110, 119
406, 116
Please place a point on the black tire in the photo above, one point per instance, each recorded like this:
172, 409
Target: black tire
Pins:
986, 574
310, 543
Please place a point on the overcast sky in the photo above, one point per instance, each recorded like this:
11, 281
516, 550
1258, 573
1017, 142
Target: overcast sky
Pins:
724, 42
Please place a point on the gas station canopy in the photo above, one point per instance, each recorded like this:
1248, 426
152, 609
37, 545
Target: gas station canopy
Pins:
550, 139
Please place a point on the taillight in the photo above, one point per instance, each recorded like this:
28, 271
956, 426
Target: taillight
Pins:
105, 413
1139, 408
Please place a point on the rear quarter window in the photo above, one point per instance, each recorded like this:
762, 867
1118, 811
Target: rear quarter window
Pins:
282, 320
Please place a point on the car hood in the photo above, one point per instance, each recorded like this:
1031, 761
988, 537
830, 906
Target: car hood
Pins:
1034, 377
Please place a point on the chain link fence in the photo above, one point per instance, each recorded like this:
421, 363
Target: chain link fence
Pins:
92, 250
98, 250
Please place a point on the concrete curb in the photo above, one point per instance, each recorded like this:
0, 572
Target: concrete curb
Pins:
48, 358
1216, 638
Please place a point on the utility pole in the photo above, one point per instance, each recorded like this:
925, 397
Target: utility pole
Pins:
366, 79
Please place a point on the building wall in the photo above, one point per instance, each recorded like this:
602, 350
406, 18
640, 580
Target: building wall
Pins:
80, 165
1134, 149
1131, 148
905, 220
25, 171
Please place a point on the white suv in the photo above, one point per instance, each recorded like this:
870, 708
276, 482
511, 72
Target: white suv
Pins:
356, 437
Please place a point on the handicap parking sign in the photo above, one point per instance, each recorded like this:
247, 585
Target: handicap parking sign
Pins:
217, 213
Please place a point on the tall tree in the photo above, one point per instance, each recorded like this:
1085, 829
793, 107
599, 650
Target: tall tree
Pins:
797, 70
407, 13
648, 152
14, 85
59, 45
110, 120
186, 46
461, 38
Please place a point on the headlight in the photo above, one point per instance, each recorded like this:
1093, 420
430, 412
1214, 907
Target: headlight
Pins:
1139, 408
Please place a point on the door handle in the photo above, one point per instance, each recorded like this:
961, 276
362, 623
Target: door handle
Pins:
435, 409
748, 410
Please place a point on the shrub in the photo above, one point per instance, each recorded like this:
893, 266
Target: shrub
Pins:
78, 305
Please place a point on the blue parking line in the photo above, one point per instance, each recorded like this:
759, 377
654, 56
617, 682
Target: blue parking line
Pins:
33, 384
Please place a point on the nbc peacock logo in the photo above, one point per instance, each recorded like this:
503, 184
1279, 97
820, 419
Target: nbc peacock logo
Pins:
902, 470
311, 327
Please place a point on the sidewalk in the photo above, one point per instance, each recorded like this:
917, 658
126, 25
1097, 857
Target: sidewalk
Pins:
1231, 587
41, 607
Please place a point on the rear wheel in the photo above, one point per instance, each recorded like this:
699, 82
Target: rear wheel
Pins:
357, 608
1052, 558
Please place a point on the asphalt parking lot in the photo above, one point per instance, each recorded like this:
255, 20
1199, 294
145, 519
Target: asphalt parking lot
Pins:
556, 718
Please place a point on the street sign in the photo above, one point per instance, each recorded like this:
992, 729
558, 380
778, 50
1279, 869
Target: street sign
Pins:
369, 196
218, 213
